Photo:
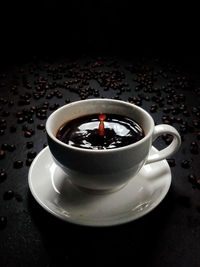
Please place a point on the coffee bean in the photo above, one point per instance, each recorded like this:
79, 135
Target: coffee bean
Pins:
3, 126
175, 111
45, 103
54, 106
166, 109
3, 222
194, 148
29, 161
20, 119
67, 100
171, 162
194, 110
165, 136
41, 116
30, 120
28, 133
8, 195
33, 108
31, 154
3, 175
45, 107
168, 140
196, 123
153, 108
186, 113
18, 164
183, 129
2, 154
4, 146
179, 120
41, 126
192, 178
29, 144
185, 164
172, 119
59, 95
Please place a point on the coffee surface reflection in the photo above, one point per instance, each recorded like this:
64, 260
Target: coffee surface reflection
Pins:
100, 131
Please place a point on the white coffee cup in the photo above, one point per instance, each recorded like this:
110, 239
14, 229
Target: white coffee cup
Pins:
109, 169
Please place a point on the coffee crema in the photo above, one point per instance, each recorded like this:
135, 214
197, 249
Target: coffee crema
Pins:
100, 131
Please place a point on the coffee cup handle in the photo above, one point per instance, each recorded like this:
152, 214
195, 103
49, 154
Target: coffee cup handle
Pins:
170, 149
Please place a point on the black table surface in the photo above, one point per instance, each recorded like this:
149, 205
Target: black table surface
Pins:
31, 89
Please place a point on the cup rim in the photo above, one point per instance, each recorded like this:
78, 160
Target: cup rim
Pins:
52, 136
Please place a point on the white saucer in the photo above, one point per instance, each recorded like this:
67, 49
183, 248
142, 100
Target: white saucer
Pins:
54, 192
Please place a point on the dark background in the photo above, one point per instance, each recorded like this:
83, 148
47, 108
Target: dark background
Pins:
76, 30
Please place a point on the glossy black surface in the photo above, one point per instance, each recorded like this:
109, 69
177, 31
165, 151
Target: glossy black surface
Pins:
169, 90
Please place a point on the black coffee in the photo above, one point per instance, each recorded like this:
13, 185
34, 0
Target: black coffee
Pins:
100, 131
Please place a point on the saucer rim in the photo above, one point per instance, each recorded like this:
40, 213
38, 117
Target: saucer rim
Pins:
93, 223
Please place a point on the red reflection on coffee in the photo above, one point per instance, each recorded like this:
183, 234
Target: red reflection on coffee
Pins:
102, 117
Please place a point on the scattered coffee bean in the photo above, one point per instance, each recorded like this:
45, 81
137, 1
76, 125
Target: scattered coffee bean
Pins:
2, 132
3, 222
153, 108
192, 178
28, 133
29, 161
67, 100
194, 148
168, 140
3, 175
20, 119
31, 154
29, 144
41, 126
11, 103
11, 147
4, 146
185, 164
183, 129
179, 120
8, 195
171, 162
30, 120
196, 123
18, 164
2, 154
198, 182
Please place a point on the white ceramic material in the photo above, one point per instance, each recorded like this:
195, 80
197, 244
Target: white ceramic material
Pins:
55, 193
111, 169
